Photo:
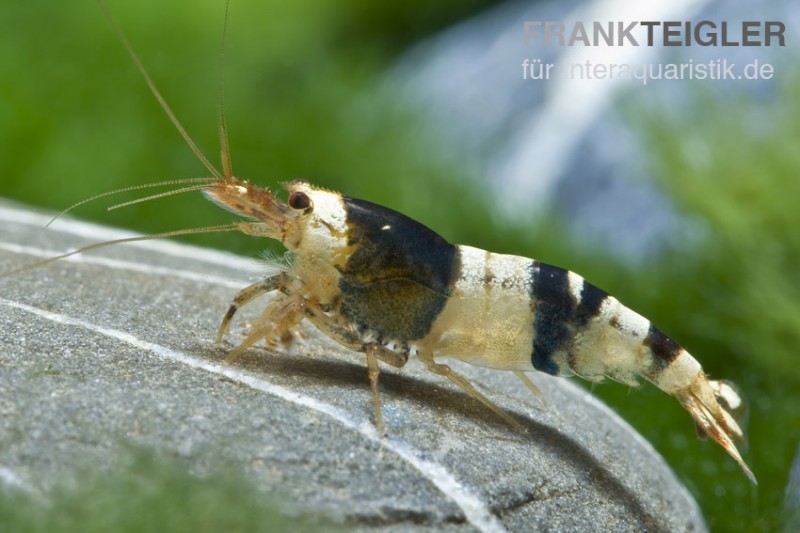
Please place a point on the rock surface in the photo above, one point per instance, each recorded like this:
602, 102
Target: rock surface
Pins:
117, 347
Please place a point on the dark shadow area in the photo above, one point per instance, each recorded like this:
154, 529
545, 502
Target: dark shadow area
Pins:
337, 374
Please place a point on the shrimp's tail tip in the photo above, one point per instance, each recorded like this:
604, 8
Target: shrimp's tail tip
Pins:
717, 408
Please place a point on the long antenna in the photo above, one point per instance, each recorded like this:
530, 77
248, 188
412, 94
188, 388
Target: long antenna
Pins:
233, 226
224, 145
153, 89
161, 195
132, 188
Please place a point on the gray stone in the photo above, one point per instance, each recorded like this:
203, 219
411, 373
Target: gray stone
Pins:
117, 347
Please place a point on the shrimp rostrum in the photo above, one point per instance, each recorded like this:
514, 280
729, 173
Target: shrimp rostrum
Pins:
385, 285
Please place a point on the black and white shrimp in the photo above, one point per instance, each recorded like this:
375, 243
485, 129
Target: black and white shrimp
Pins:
385, 285
380, 283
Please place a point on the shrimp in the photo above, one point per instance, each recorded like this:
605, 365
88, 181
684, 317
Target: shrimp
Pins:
381, 283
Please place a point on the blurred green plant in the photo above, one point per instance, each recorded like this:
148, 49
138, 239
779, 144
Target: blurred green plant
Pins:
151, 494
302, 100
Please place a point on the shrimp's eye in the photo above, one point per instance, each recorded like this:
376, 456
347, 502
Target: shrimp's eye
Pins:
299, 200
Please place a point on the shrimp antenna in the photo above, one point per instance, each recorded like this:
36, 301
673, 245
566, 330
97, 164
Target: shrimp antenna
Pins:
164, 194
224, 145
153, 89
204, 181
233, 226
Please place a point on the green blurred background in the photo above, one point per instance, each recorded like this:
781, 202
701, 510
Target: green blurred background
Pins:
306, 97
